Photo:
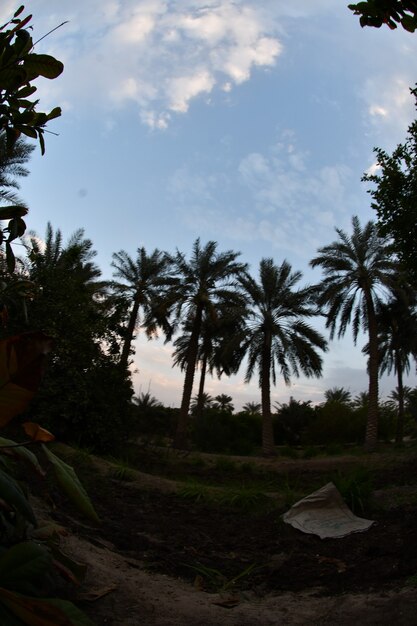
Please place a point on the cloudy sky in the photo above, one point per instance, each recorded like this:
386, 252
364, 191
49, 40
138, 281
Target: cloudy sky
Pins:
247, 122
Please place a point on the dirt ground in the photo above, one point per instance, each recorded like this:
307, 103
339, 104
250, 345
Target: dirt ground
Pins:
160, 559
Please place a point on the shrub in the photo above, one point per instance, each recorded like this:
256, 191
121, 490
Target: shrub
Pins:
223, 432
335, 422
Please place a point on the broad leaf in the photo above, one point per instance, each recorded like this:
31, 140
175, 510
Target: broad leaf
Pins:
68, 567
37, 433
21, 366
23, 565
70, 483
9, 212
20, 452
11, 493
43, 612
42, 65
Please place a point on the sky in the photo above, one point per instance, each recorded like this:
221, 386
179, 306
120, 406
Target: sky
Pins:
244, 122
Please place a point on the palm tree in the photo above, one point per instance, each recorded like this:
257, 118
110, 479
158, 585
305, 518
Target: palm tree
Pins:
223, 402
339, 395
200, 403
145, 280
277, 334
145, 401
219, 346
397, 341
207, 284
12, 166
361, 401
357, 268
252, 408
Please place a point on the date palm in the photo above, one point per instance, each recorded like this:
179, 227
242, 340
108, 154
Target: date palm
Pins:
144, 280
278, 336
252, 408
218, 349
12, 167
338, 395
358, 270
223, 402
207, 284
397, 341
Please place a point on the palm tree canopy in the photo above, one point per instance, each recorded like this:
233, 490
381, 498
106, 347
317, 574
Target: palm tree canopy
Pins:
338, 394
355, 267
280, 310
397, 334
145, 279
252, 408
12, 167
223, 402
76, 258
207, 279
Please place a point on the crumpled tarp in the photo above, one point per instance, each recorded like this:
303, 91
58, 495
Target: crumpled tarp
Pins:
325, 513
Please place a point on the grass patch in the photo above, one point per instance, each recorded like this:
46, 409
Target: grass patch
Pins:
355, 488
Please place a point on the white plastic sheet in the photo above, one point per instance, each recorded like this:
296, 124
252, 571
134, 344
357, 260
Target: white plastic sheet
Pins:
325, 513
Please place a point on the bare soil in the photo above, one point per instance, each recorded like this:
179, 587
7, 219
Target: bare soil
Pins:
161, 559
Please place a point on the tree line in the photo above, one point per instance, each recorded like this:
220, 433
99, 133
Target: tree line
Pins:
217, 315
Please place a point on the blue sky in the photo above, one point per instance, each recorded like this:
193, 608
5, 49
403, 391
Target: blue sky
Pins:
247, 122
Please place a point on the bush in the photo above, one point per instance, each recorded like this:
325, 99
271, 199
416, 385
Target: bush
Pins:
154, 422
290, 422
336, 423
222, 432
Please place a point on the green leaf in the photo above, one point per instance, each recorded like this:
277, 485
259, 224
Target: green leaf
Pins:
17, 227
56, 112
10, 258
23, 566
22, 359
19, 11
26, 91
41, 142
42, 65
21, 452
409, 23
43, 612
11, 493
28, 131
71, 569
9, 212
69, 481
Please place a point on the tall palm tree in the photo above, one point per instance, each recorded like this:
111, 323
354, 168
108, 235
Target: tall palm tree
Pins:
397, 341
207, 284
219, 346
357, 269
278, 335
144, 280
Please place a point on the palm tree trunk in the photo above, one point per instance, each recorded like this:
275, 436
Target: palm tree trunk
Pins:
371, 435
268, 447
400, 419
199, 409
124, 358
180, 439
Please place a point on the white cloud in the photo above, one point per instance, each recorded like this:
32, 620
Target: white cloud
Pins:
157, 54
184, 88
389, 106
280, 197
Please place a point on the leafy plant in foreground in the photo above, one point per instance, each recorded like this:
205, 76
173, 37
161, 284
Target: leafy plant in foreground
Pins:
30, 553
